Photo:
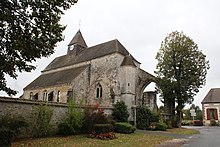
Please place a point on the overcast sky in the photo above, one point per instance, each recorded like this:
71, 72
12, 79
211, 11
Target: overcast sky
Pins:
140, 26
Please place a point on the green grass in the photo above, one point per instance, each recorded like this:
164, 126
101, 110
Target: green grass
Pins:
123, 140
183, 131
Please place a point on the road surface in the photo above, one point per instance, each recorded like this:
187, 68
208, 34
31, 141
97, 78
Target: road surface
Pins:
208, 137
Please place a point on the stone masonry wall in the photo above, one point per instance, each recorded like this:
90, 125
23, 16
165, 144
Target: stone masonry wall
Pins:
23, 107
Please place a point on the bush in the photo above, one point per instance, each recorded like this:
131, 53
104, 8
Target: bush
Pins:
124, 127
94, 115
73, 122
213, 122
120, 112
161, 126
9, 127
154, 117
144, 117
186, 122
42, 115
103, 128
6, 136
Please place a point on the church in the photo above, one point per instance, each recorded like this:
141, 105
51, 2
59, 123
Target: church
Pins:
103, 74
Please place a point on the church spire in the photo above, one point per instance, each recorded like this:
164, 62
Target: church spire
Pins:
78, 40
77, 44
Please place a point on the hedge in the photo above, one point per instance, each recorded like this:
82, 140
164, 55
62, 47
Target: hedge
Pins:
123, 127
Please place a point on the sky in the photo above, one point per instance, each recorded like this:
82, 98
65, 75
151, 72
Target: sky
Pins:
141, 26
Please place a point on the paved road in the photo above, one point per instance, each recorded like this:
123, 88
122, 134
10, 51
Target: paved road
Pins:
208, 137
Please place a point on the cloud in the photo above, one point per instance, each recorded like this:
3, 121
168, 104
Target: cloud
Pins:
141, 26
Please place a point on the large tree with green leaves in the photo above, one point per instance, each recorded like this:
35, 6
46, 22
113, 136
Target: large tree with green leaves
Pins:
184, 65
29, 29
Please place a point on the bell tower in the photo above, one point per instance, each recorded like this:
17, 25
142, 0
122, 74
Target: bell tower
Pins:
77, 44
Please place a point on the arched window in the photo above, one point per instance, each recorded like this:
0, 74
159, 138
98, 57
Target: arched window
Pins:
31, 95
58, 96
50, 96
35, 96
99, 91
45, 95
69, 95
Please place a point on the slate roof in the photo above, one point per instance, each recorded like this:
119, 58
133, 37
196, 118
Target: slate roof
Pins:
78, 39
100, 50
128, 60
87, 54
56, 78
213, 96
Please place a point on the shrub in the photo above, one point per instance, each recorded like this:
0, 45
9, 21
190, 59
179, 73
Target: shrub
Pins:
103, 128
161, 126
124, 127
186, 123
144, 117
120, 112
9, 128
154, 117
94, 115
213, 122
158, 126
73, 122
42, 115
6, 136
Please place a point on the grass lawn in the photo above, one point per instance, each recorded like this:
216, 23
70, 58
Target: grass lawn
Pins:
123, 140
182, 131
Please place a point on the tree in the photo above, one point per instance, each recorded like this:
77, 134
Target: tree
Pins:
73, 121
167, 94
180, 61
28, 30
198, 111
120, 112
41, 122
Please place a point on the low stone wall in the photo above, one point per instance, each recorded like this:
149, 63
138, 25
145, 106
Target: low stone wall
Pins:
23, 107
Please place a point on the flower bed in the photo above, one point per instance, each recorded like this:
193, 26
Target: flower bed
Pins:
103, 136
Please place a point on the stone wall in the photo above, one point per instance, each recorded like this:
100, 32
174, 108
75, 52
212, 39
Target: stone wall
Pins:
24, 107
150, 100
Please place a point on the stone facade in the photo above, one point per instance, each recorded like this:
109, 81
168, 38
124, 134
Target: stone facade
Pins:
149, 99
104, 74
211, 106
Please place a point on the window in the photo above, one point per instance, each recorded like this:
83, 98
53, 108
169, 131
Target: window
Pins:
99, 91
58, 96
31, 95
35, 96
45, 95
50, 96
69, 95
212, 114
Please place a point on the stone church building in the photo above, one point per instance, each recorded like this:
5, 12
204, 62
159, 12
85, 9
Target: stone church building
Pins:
104, 74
